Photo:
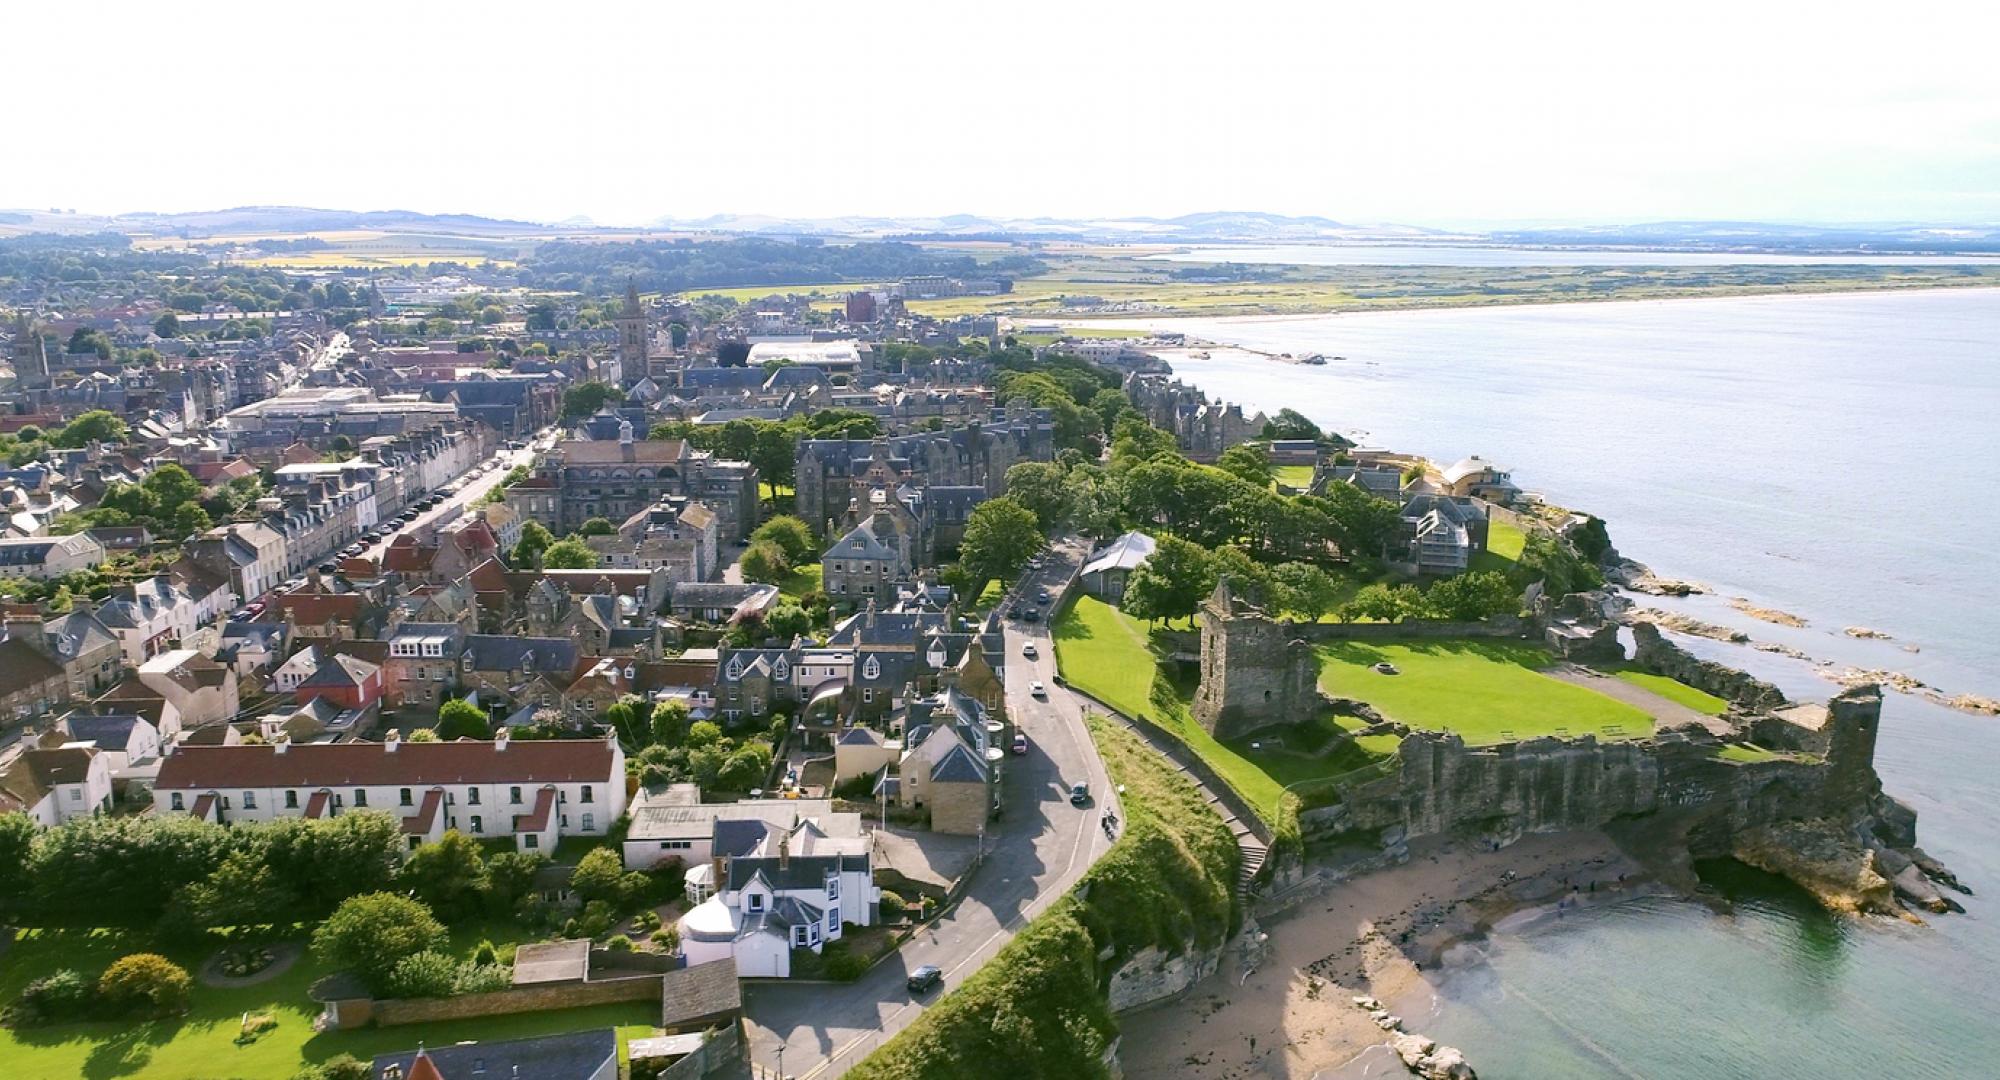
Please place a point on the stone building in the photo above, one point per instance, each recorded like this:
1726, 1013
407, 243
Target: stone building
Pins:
582, 479
1202, 428
834, 474
1254, 673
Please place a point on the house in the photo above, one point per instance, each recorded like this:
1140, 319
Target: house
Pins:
523, 670
769, 889
1476, 477
48, 556
715, 601
1294, 451
950, 760
533, 792
347, 681
53, 785
251, 647
84, 647
121, 738
253, 557
422, 663
575, 1055
1442, 533
30, 682
870, 559
1104, 574
149, 617
673, 823
200, 690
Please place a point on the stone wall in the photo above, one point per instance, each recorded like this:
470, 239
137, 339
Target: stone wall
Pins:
1662, 657
1502, 627
722, 1047
1151, 975
1256, 671
389, 1012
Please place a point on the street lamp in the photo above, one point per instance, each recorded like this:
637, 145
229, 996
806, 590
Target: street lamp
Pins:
781, 1061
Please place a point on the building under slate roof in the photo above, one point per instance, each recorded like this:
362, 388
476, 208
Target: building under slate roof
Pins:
1128, 552
576, 1055
556, 761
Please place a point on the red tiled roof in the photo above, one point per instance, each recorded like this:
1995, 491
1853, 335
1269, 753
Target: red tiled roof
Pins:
204, 806
554, 761
427, 812
315, 609
315, 806
537, 819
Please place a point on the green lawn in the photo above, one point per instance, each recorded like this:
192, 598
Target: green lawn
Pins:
1293, 476
989, 597
1676, 691
1746, 753
1503, 547
1485, 691
802, 580
201, 1043
1111, 656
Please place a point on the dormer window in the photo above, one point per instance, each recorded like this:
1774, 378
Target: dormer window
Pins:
871, 669
735, 667
754, 902
782, 669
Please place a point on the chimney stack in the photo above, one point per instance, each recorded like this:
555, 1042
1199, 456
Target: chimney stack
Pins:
500, 740
392, 740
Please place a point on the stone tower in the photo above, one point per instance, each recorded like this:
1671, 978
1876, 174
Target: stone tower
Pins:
632, 334
1253, 672
30, 355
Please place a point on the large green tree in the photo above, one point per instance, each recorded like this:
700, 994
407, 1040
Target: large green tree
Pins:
1000, 536
1042, 487
792, 535
368, 934
569, 554
535, 539
1171, 583
448, 874
461, 719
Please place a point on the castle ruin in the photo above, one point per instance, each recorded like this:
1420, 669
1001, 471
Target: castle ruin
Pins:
1254, 672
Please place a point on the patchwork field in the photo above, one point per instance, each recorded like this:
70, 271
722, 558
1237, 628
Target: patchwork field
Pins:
1484, 691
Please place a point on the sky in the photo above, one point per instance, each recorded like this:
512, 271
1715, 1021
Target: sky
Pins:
1432, 114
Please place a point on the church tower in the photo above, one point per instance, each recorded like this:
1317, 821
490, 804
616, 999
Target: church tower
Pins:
633, 337
30, 355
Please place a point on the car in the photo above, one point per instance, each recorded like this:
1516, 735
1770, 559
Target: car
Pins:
1041, 596
1036, 689
1031, 615
1079, 793
241, 615
1028, 649
925, 979
1020, 744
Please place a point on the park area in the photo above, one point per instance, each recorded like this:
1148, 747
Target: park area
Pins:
1484, 691
224, 1031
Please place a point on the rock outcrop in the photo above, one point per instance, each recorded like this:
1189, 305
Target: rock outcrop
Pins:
1823, 858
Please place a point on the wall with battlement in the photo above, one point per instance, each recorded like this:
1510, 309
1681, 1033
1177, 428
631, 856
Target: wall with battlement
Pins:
1662, 657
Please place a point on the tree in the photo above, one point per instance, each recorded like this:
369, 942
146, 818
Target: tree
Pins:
746, 768
765, 562
1363, 523
1042, 487
1561, 571
1248, 462
145, 980
1303, 589
569, 554
599, 875
328, 860
1171, 583
670, 723
597, 526
535, 539
1109, 405
461, 719
96, 425
121, 871
1384, 603
586, 398
17, 837
1000, 536
1135, 440
171, 485
190, 518
1291, 424
427, 974
370, 933
1481, 594
510, 877
704, 733
449, 875
786, 621
623, 717
245, 890
167, 325
791, 535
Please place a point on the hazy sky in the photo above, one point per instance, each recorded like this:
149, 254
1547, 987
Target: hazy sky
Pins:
1427, 113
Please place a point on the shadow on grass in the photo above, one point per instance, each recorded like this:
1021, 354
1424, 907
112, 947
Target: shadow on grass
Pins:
1368, 653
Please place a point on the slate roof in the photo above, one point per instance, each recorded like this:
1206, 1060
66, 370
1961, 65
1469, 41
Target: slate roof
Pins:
23, 666
77, 633
700, 992
494, 652
340, 672
958, 766
576, 1055
108, 730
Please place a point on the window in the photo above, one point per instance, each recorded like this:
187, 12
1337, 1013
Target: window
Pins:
755, 902
588, 824
586, 793
867, 694
249, 800
76, 794
533, 841
361, 796
872, 669
478, 825
514, 795
833, 919
676, 845
833, 887
798, 937
177, 801
291, 799
472, 796
406, 796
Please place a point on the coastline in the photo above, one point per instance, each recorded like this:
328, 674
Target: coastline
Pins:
1388, 934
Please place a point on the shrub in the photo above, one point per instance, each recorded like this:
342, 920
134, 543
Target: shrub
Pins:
373, 932
484, 978
423, 975
892, 905
337, 1067
841, 963
668, 938
60, 995
599, 875
145, 980
618, 943
485, 954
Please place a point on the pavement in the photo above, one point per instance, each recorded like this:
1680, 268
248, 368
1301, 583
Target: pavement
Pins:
1032, 854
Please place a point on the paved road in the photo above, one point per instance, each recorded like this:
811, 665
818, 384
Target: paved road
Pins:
1036, 851
473, 485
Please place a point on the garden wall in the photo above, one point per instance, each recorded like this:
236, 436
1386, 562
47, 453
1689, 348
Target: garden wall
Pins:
357, 1012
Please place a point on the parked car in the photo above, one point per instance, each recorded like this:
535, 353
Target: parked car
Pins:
925, 978
1031, 615
1020, 744
1079, 793
1041, 596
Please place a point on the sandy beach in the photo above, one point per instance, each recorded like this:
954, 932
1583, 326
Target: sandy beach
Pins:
1289, 1014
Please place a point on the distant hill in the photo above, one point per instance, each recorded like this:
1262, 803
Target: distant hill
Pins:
248, 220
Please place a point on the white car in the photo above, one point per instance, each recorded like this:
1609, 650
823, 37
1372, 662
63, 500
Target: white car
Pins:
1036, 689
1028, 650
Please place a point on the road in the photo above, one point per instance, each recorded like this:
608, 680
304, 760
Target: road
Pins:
1034, 853
473, 485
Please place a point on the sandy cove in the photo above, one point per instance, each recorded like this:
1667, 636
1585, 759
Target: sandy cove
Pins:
1289, 1014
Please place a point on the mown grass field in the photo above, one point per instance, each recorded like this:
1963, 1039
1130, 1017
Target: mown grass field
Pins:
1115, 658
802, 580
1504, 542
1676, 691
1297, 477
201, 1043
1484, 691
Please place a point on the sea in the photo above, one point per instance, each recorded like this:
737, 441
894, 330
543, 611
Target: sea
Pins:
1460, 255
1821, 455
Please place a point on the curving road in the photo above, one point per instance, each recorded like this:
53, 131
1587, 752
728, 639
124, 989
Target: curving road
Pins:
1034, 853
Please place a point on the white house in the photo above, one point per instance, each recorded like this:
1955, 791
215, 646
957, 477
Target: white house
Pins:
120, 738
676, 824
48, 556
534, 792
149, 616
769, 889
54, 785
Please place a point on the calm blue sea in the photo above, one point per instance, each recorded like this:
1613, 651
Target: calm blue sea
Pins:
1824, 455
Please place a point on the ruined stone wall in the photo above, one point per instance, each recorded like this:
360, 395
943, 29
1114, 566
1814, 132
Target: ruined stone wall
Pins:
1255, 671
1502, 627
1662, 657
1152, 975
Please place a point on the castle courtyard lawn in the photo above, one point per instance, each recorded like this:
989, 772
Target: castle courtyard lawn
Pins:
1484, 691
1676, 691
201, 1042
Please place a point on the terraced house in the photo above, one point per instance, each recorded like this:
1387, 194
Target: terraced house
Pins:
532, 792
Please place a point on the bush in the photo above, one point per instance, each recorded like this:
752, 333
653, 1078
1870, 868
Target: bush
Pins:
892, 905
841, 963
60, 995
371, 933
484, 978
618, 943
668, 938
145, 980
424, 975
484, 954
337, 1067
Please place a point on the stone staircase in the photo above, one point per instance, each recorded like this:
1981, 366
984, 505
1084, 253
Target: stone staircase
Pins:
1252, 849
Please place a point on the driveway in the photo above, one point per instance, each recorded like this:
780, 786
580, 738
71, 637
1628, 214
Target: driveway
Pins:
1033, 854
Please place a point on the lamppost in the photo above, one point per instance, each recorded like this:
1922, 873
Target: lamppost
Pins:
781, 1061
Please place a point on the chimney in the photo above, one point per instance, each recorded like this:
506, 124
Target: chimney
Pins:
392, 740
718, 870
500, 740
784, 850
281, 743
